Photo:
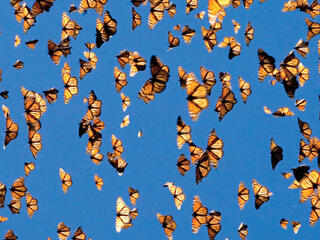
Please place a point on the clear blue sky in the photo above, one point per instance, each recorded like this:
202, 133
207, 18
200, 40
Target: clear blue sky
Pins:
246, 130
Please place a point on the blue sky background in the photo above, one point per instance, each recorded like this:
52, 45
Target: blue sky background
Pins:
246, 130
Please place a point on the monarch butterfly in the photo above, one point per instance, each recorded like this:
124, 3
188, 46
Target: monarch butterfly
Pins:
294, 185
236, 3
300, 172
28, 17
94, 143
177, 194
266, 63
208, 79
301, 104
168, 224
184, 133
314, 147
243, 231
136, 19
261, 193
92, 4
72, 8
94, 106
213, 224
51, 95
63, 231
123, 219
90, 46
41, 5
171, 10
28, 167
235, 47
243, 195
199, 215
79, 234
276, 153
70, 83
183, 76
216, 7
85, 68
18, 189
202, 167
35, 144
65, 180
70, 28
156, 13
200, 15
236, 26
303, 73
12, 128
15, 206
249, 34
302, 48
191, 5
125, 122
214, 148
137, 3
92, 58
140, 134
187, 34
97, 158
290, 86
125, 102
116, 145
313, 29
98, 181
183, 164
315, 210
3, 219
244, 89
19, 11
18, 64
284, 223
304, 129
32, 204
209, 38
160, 76
289, 66
57, 50
97, 125
17, 41
308, 184
296, 226
314, 9
289, 6
304, 150
247, 3
134, 195
282, 112
4, 94
137, 63
177, 27
3, 191
197, 97
173, 41
10, 235
225, 102
195, 152
120, 79
117, 162
105, 29
286, 175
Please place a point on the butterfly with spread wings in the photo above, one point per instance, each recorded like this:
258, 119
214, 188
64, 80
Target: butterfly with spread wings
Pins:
225, 102
105, 29
177, 194
160, 75
261, 194
12, 128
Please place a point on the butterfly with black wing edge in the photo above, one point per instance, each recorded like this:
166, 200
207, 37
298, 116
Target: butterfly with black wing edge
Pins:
28, 167
203, 167
63, 231
261, 194
117, 162
51, 95
136, 19
124, 215
32, 204
245, 89
215, 8
187, 34
10, 235
313, 28
177, 194
276, 154
235, 47
183, 132
209, 38
105, 29
18, 189
134, 195
70, 28
249, 34
70, 83
183, 164
213, 224
243, 195
3, 191
65, 180
168, 224
160, 75
191, 5
225, 102
199, 215
267, 64
12, 128
243, 231
98, 181
208, 79
173, 41
79, 234
197, 97
55, 51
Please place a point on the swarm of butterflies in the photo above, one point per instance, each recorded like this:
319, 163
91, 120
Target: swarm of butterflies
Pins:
291, 73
